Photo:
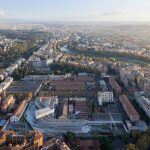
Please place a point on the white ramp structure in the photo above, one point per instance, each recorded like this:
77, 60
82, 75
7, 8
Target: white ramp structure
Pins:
43, 112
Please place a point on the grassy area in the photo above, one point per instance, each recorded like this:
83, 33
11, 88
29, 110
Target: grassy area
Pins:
63, 68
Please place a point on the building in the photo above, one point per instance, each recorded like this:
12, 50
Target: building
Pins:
115, 86
35, 62
77, 108
50, 102
64, 114
81, 109
55, 143
18, 112
146, 87
6, 83
68, 87
88, 144
2, 137
7, 103
48, 61
43, 112
143, 101
46, 106
103, 85
2, 77
14, 66
36, 77
129, 109
38, 139
23, 87
14, 138
105, 97
1, 89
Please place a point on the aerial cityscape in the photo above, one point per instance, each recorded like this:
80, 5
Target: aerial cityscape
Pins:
75, 78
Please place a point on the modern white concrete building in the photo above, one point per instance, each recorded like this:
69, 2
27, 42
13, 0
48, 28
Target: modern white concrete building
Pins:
43, 112
105, 97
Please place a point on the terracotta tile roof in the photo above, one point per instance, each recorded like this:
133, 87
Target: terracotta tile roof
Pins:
20, 108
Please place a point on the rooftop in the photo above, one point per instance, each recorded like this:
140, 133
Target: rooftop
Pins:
24, 86
20, 108
124, 99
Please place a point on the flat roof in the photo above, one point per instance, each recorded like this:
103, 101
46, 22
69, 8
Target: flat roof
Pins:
41, 111
24, 86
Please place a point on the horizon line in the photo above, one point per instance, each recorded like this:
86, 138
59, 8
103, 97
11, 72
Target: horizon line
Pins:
11, 20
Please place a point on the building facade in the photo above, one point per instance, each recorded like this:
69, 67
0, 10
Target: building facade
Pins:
105, 97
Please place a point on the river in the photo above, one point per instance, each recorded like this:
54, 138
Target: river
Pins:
70, 51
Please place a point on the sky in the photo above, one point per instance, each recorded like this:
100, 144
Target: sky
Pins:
76, 10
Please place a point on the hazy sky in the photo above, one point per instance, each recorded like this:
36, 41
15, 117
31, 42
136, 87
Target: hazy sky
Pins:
76, 10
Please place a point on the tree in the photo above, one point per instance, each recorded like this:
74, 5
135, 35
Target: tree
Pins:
136, 134
107, 143
29, 95
125, 138
131, 147
143, 142
70, 136
18, 96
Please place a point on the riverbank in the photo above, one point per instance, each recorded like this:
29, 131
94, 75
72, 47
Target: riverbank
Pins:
117, 55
